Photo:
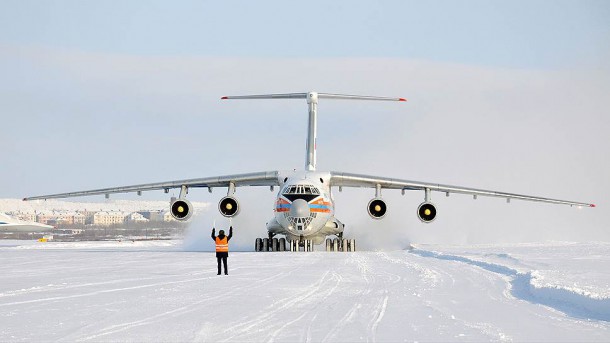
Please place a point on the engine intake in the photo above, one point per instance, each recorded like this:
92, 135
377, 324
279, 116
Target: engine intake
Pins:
426, 212
377, 208
228, 206
181, 209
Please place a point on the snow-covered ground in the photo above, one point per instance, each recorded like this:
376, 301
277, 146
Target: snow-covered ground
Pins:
157, 291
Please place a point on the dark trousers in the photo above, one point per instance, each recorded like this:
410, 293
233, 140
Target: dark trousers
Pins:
224, 261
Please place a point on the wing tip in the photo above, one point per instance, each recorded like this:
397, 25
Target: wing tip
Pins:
224, 98
592, 205
402, 99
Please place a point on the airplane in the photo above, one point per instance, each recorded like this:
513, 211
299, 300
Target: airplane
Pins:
8, 224
304, 206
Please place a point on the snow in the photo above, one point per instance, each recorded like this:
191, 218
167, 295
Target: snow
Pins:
157, 291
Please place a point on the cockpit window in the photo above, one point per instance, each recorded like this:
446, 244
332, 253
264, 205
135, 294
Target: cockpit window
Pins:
305, 192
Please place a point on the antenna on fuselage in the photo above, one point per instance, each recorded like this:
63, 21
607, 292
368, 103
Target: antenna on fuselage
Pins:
312, 103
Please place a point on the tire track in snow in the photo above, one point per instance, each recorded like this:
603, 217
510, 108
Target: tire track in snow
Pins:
379, 312
268, 319
362, 264
94, 293
348, 317
175, 312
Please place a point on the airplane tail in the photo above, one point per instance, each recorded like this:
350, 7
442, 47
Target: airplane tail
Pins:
312, 101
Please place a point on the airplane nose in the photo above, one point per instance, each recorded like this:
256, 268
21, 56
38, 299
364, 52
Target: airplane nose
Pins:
299, 209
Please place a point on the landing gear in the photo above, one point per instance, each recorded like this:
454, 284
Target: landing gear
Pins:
300, 244
306, 244
270, 244
337, 244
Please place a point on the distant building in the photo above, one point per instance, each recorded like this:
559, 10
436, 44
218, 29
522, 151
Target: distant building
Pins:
153, 215
135, 217
79, 218
45, 217
109, 218
167, 216
27, 217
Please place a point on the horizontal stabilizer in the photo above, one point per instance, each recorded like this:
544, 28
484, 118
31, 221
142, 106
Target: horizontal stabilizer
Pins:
313, 94
268, 96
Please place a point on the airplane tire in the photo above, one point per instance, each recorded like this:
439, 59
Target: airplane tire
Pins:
265, 244
328, 244
353, 244
293, 246
258, 244
337, 244
282, 244
345, 246
274, 244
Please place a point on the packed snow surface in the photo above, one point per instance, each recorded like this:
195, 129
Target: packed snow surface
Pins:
156, 291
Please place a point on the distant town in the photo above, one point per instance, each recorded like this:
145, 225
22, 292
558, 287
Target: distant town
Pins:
112, 220
96, 218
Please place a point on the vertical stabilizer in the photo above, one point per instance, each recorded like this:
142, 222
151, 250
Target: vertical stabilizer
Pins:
312, 104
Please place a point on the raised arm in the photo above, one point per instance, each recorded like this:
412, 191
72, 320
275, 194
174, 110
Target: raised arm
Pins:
214, 233
230, 233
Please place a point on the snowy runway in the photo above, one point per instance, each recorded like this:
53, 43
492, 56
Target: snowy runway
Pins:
155, 292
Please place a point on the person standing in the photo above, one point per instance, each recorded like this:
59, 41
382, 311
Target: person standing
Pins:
222, 247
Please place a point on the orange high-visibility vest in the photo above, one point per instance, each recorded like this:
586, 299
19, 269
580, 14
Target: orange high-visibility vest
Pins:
222, 245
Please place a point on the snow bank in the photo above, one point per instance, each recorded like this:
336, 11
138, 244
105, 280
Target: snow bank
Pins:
591, 300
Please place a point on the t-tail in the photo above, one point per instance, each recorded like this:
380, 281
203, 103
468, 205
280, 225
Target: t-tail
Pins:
312, 103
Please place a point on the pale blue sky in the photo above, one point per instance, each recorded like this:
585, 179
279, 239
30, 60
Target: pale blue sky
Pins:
503, 95
539, 34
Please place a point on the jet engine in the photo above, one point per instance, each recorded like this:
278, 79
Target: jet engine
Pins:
426, 212
228, 206
377, 208
181, 209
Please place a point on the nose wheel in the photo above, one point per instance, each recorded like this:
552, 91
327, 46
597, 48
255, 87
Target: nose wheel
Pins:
305, 245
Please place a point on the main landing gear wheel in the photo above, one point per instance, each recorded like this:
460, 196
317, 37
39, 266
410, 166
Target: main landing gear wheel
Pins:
258, 245
347, 245
270, 244
274, 244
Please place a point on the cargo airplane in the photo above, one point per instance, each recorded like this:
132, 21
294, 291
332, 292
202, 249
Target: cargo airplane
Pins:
304, 207
8, 224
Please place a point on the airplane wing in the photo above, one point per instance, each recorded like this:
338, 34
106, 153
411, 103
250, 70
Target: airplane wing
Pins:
269, 178
340, 179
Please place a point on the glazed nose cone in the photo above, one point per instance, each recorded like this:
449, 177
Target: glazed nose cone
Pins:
299, 208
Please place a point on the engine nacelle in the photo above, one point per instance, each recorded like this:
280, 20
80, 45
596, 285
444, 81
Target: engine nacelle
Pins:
426, 212
228, 206
181, 209
377, 208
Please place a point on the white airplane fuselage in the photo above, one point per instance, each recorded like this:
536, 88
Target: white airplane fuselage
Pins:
304, 208
9, 224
